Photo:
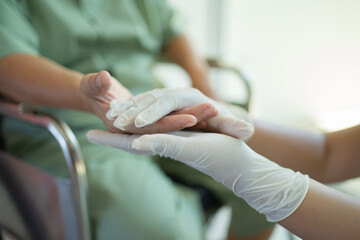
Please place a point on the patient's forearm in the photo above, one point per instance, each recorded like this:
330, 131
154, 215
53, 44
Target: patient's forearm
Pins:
325, 214
36, 80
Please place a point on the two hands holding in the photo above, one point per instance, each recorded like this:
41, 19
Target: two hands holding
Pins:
154, 119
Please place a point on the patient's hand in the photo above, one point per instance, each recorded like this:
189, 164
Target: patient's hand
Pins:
101, 88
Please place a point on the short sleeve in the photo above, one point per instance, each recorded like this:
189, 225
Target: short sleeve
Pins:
16, 33
173, 21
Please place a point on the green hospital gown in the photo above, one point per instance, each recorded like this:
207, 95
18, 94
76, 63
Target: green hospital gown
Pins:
130, 196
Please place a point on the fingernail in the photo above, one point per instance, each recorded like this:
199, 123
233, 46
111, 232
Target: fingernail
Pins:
123, 106
208, 112
248, 127
246, 131
110, 115
98, 81
113, 103
147, 146
141, 122
91, 136
137, 144
121, 123
251, 127
189, 124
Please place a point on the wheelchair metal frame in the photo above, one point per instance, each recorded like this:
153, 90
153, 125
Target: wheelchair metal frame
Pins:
216, 63
71, 151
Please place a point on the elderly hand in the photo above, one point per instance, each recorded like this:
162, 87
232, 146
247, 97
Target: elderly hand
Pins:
147, 108
101, 88
264, 185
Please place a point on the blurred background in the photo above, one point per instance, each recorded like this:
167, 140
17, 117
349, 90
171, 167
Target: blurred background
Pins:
302, 58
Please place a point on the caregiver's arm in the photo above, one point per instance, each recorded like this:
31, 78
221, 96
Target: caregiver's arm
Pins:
325, 157
37, 80
325, 214
180, 51
307, 208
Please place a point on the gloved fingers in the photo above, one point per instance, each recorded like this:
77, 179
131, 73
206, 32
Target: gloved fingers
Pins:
165, 145
147, 108
154, 112
117, 106
232, 126
237, 128
128, 116
192, 148
125, 112
116, 140
173, 100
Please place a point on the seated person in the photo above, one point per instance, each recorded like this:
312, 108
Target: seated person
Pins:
46, 49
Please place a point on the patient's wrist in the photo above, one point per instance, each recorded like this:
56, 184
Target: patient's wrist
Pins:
81, 98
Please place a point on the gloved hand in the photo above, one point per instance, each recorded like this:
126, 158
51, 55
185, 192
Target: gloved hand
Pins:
270, 189
147, 108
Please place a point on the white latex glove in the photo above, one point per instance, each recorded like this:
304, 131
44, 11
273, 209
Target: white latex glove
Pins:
270, 189
149, 107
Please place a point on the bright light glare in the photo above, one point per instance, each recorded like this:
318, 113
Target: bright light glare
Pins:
338, 119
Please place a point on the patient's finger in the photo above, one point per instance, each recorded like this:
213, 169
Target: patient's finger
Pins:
170, 123
203, 111
176, 121
189, 117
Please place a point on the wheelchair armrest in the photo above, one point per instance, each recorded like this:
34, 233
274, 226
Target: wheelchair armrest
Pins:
69, 146
217, 64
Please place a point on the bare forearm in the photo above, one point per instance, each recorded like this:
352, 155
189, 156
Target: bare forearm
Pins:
299, 150
325, 214
343, 154
325, 157
180, 51
36, 80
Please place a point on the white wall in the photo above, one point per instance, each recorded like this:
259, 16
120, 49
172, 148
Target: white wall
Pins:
302, 56
202, 23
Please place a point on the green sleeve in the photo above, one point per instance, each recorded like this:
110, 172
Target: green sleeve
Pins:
173, 21
16, 33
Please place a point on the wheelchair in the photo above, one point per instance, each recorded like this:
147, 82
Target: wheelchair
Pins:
36, 205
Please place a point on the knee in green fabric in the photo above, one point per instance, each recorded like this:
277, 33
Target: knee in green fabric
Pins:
131, 198
140, 220
120, 224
